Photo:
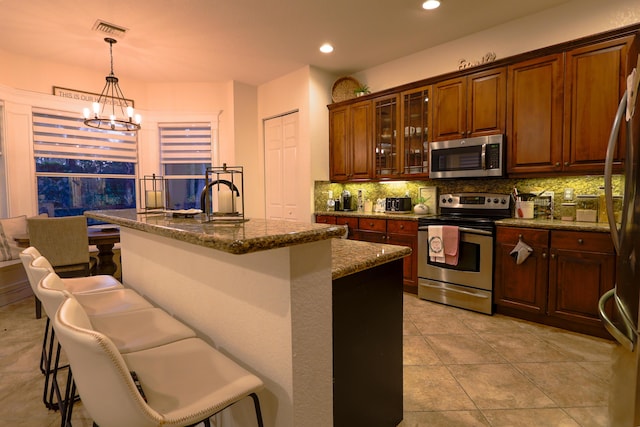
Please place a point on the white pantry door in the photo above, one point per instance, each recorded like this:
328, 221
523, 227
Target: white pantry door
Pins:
282, 186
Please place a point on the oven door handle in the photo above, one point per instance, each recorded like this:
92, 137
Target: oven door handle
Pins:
464, 230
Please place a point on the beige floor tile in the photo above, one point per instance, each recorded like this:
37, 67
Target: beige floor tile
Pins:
408, 328
552, 417
499, 386
432, 388
439, 324
463, 349
581, 347
591, 416
444, 419
567, 383
416, 351
496, 324
525, 347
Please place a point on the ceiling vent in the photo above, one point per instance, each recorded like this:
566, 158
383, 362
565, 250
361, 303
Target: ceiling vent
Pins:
109, 29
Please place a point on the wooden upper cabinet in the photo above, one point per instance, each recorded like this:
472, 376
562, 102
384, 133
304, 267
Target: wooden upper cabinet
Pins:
561, 108
472, 105
351, 142
535, 115
595, 81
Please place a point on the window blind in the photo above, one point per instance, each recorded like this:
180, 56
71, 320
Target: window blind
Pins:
60, 134
185, 143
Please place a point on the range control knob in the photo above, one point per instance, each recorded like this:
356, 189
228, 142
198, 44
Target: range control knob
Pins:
503, 201
495, 200
450, 200
444, 200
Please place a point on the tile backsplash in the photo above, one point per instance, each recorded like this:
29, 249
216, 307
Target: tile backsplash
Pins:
380, 190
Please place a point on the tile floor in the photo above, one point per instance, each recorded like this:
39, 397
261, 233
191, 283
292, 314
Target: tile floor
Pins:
460, 369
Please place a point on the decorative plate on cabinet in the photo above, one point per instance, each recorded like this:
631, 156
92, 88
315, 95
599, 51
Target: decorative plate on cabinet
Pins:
344, 88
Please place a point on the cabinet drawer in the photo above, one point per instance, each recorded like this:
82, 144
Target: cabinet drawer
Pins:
530, 236
325, 219
372, 224
583, 241
351, 222
402, 227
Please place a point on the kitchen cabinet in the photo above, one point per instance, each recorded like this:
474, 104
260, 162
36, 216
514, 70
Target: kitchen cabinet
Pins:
401, 134
387, 136
387, 231
535, 114
416, 113
562, 280
560, 109
470, 105
394, 232
351, 142
521, 287
595, 81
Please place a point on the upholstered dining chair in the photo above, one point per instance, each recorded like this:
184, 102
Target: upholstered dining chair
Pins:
177, 384
102, 294
88, 284
64, 242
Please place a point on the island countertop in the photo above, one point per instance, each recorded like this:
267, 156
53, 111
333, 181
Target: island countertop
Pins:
239, 238
352, 256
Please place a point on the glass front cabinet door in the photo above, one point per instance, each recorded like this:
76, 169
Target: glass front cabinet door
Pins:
387, 138
415, 114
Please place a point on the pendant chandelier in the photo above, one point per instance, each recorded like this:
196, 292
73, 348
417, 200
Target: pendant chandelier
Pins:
111, 111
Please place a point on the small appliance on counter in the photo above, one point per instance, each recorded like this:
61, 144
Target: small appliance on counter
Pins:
346, 200
398, 204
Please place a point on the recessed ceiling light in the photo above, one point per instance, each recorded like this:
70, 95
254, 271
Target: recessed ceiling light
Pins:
431, 4
326, 48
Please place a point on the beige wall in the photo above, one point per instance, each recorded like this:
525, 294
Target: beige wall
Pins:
574, 19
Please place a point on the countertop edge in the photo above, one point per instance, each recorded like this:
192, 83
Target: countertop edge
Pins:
352, 256
233, 246
554, 224
380, 215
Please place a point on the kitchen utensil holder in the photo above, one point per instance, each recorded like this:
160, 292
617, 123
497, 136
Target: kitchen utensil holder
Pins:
222, 198
153, 193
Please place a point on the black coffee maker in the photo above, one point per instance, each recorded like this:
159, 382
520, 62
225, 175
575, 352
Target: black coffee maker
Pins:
346, 201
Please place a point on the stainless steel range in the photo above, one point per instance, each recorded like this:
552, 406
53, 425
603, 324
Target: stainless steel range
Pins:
455, 250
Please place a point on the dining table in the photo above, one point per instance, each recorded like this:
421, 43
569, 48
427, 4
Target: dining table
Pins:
104, 238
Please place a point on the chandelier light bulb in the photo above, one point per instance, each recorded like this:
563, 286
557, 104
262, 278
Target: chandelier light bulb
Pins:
86, 112
112, 111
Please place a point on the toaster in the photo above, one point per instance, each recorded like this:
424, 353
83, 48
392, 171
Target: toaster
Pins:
397, 204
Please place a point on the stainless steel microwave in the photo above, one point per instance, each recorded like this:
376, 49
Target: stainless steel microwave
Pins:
481, 156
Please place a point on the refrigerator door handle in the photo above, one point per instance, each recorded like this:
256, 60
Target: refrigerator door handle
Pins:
625, 338
608, 170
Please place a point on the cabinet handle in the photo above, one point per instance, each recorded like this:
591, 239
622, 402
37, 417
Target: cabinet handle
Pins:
544, 255
553, 256
370, 224
557, 164
566, 163
401, 226
580, 241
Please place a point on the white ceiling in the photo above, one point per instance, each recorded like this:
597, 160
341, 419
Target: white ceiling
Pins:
250, 41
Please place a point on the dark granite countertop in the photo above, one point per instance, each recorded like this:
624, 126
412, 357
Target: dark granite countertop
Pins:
380, 215
352, 256
554, 224
238, 238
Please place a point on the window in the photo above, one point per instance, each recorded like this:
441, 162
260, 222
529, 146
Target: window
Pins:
185, 152
80, 168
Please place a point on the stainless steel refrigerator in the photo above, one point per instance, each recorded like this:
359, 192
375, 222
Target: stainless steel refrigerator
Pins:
619, 306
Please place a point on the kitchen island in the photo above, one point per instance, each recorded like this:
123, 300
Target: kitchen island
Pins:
262, 291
